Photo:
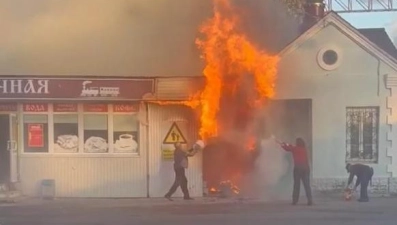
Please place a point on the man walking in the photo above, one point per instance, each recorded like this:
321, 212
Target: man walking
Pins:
301, 170
364, 174
180, 164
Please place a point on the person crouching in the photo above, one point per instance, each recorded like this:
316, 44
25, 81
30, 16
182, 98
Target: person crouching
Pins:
364, 175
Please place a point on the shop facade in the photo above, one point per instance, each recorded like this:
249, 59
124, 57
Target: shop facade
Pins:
92, 136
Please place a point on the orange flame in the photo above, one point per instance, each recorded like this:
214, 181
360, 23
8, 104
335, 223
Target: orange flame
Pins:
251, 144
229, 55
231, 185
192, 103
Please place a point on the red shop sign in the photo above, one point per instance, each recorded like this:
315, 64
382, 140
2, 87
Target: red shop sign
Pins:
35, 107
8, 107
95, 107
125, 108
36, 135
65, 107
75, 88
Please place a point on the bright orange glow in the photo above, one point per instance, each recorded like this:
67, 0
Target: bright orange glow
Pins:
229, 56
231, 185
229, 59
251, 144
192, 103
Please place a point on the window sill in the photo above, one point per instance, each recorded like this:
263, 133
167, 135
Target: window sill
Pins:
80, 155
372, 161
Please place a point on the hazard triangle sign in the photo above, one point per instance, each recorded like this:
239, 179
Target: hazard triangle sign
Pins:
174, 135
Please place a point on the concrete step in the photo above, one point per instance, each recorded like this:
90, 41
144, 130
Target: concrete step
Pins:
10, 196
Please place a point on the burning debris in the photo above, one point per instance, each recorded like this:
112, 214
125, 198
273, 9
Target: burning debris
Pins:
226, 189
224, 166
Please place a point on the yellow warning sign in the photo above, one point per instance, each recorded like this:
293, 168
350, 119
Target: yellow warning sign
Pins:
168, 153
174, 135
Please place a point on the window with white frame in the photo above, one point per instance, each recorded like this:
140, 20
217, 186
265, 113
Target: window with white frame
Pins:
362, 128
35, 127
66, 128
92, 128
35, 132
125, 133
96, 135
125, 128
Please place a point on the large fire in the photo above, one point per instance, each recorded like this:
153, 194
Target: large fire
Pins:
239, 78
229, 58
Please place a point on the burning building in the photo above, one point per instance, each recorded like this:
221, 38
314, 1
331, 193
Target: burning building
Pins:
334, 86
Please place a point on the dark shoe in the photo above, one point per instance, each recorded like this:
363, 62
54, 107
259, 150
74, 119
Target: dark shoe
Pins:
294, 203
168, 197
363, 200
310, 203
188, 198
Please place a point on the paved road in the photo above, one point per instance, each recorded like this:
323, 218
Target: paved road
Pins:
327, 211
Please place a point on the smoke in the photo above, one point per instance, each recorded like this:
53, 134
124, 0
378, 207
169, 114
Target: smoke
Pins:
268, 23
120, 37
271, 168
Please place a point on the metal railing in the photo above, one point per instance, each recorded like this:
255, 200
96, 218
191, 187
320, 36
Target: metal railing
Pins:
345, 6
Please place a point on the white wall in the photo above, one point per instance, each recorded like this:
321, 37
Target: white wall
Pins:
86, 174
354, 83
161, 172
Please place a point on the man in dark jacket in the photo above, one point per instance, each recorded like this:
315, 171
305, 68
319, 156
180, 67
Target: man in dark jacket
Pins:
364, 174
301, 170
180, 164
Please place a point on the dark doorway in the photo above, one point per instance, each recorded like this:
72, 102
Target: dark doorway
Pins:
4, 152
287, 120
224, 160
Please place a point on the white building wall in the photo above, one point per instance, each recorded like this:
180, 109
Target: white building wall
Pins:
86, 174
178, 88
358, 81
161, 172
91, 176
391, 84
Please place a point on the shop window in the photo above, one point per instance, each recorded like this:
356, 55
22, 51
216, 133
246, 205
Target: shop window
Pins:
66, 132
125, 133
362, 127
96, 133
35, 129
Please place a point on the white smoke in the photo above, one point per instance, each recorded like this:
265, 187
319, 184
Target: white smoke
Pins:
272, 163
118, 37
271, 167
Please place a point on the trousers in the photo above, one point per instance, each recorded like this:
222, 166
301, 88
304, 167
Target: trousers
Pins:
301, 174
180, 180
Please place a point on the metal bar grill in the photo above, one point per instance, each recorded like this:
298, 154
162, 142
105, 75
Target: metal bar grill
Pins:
346, 6
362, 126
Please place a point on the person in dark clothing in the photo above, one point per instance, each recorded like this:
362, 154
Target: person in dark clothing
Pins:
180, 164
364, 175
301, 170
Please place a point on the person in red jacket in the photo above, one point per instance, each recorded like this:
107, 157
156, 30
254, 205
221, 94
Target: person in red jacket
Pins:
301, 169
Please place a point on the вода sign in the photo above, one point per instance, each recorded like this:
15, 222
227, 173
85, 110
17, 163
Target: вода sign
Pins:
85, 89
35, 107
